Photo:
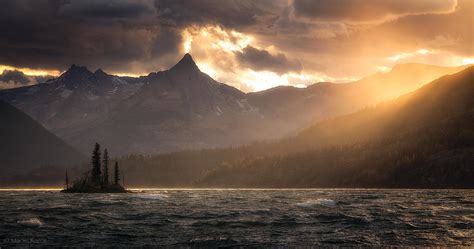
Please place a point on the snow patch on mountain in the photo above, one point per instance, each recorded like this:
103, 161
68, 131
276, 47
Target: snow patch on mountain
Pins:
219, 111
66, 93
119, 81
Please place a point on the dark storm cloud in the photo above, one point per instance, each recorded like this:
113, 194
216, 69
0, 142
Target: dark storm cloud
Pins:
139, 36
228, 13
114, 35
55, 34
368, 10
260, 60
108, 9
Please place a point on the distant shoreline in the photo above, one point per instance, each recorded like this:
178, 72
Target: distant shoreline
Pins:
135, 190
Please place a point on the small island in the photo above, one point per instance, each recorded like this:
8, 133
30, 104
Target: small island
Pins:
97, 179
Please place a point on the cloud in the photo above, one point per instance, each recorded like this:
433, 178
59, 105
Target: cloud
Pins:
16, 78
39, 79
325, 39
107, 9
368, 10
114, 35
262, 60
228, 13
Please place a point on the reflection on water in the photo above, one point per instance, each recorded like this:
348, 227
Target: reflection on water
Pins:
238, 218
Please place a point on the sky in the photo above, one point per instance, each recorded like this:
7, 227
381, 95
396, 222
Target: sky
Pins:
250, 44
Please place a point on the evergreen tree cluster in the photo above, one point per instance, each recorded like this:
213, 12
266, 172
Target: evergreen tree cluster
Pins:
97, 179
100, 168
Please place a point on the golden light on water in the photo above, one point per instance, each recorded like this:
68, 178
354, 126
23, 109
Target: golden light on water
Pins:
30, 189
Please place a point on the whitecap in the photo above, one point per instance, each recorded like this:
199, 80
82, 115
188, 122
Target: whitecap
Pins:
31, 222
153, 196
321, 202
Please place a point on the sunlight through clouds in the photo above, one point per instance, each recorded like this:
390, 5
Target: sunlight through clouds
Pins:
426, 56
214, 50
419, 52
468, 61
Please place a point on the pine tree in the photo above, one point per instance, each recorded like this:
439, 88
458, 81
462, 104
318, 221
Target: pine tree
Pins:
67, 181
117, 174
105, 167
96, 179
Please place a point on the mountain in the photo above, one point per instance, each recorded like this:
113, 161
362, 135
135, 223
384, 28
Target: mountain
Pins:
183, 108
27, 146
305, 106
175, 109
422, 139
75, 100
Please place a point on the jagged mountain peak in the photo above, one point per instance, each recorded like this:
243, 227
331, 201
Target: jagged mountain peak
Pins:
99, 71
186, 64
76, 68
76, 72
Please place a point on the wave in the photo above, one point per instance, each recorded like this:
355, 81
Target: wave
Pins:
31, 222
320, 202
153, 196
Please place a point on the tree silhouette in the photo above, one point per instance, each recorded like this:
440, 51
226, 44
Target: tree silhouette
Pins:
117, 174
105, 167
67, 181
96, 179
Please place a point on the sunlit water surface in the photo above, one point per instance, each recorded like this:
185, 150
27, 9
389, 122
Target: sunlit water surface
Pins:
238, 218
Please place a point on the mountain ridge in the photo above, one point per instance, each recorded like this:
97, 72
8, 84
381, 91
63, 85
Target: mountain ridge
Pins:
416, 140
184, 108
28, 146
423, 139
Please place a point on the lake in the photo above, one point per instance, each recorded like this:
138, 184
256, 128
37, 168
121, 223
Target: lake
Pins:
227, 218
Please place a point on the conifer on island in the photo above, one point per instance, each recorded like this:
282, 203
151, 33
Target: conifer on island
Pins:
95, 180
105, 167
96, 165
117, 174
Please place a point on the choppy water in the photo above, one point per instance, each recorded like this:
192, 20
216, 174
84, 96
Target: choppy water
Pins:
238, 218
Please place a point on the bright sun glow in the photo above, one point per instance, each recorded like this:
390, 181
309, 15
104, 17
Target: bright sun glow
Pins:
30, 71
382, 69
128, 75
217, 37
207, 69
188, 40
468, 61
214, 49
262, 80
401, 56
